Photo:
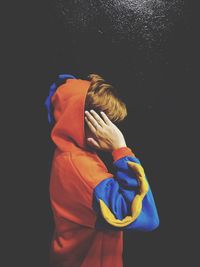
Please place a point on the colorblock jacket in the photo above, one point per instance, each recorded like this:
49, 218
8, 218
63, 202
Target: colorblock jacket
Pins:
91, 206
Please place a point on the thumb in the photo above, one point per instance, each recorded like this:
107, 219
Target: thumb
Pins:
93, 143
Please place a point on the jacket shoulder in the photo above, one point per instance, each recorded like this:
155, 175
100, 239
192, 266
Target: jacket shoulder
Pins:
90, 168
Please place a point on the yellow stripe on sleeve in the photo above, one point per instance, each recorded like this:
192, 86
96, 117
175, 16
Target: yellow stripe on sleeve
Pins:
136, 206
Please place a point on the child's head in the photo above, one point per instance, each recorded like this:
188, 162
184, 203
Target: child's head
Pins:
102, 96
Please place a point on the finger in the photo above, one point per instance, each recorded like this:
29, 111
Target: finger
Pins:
91, 127
97, 118
92, 119
105, 117
93, 143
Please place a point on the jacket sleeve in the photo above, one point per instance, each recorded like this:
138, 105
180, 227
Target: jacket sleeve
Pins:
125, 201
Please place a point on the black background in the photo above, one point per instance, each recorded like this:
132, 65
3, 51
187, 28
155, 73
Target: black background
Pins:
159, 89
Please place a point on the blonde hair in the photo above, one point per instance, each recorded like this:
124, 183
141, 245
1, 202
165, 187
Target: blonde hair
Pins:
102, 96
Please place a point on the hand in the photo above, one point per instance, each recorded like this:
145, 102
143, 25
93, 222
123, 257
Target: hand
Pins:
103, 134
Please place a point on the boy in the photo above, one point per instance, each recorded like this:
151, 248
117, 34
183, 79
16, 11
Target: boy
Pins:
91, 206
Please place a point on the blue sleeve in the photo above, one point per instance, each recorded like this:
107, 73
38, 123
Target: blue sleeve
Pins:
125, 202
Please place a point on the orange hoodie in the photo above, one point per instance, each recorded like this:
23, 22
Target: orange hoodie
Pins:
91, 206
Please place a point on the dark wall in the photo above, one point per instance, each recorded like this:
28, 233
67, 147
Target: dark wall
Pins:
149, 52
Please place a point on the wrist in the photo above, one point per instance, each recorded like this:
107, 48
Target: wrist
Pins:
118, 147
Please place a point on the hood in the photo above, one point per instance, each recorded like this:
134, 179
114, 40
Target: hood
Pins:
68, 103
